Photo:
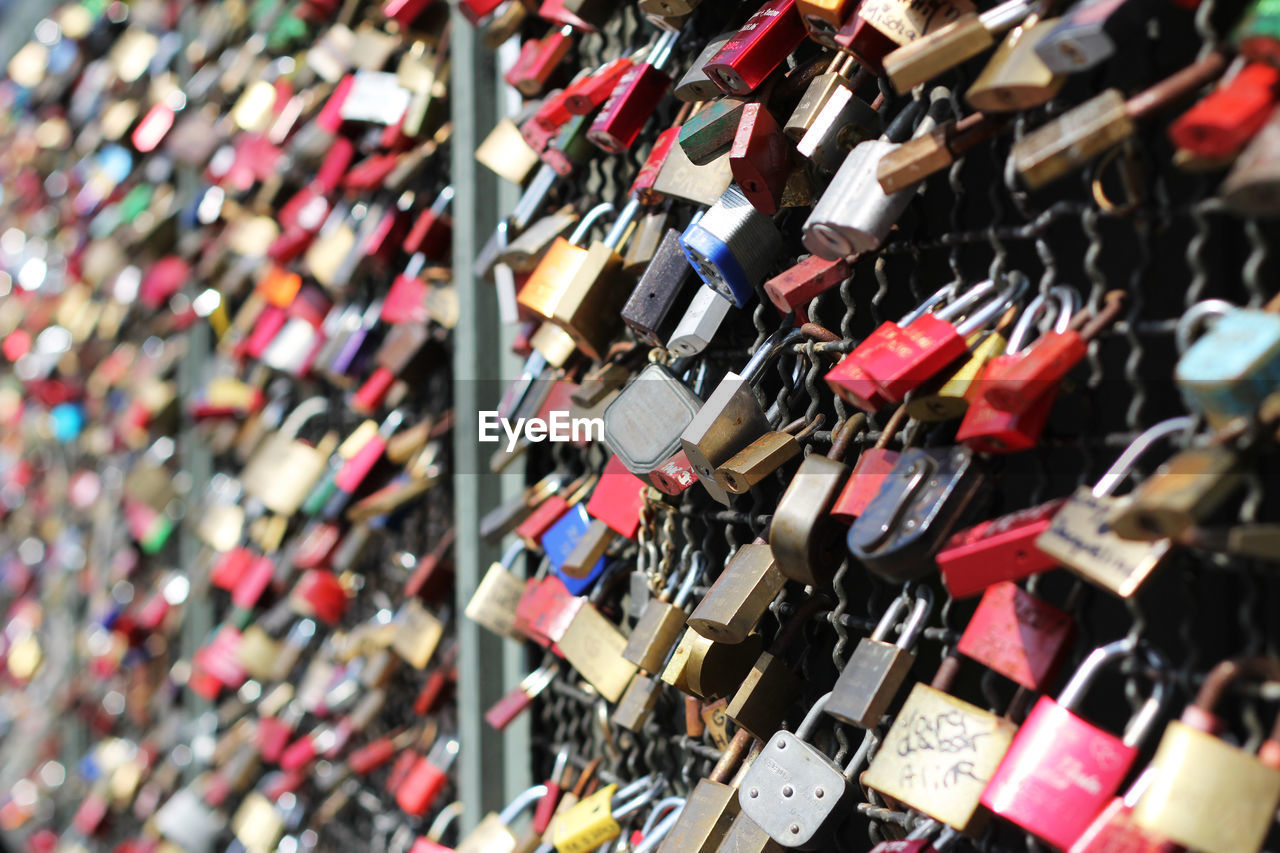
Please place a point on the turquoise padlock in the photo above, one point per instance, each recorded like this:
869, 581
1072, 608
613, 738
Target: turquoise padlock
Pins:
1234, 365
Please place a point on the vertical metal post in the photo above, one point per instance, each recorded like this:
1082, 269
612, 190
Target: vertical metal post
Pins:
490, 766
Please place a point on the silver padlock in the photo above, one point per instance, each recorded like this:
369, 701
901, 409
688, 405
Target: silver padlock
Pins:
733, 247
643, 424
877, 668
696, 85
831, 119
701, 321
855, 214
733, 416
794, 792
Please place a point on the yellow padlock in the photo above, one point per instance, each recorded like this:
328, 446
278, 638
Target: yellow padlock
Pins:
594, 821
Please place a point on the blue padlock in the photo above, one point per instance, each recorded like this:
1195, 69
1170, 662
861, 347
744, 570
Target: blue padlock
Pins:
558, 543
732, 247
1234, 365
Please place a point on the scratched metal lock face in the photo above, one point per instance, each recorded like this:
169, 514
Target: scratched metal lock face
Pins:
643, 424
792, 791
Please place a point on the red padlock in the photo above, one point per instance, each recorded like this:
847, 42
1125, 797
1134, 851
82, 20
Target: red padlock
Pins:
1115, 831
758, 48
633, 100
675, 476
583, 96
428, 777
1061, 771
1018, 635
1226, 119
539, 60
618, 499
319, 593
476, 10
1002, 549
869, 473
796, 287
505, 711
760, 158
545, 611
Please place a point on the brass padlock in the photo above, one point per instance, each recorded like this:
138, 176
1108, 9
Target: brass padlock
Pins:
593, 646
1015, 77
1180, 494
1080, 536
875, 671
711, 807
769, 689
494, 833
284, 469
740, 596
493, 604
663, 620
708, 670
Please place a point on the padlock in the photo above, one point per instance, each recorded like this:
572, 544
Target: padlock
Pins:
939, 752
634, 99
869, 472
1080, 536
838, 75
761, 159
917, 159
922, 502
794, 288
740, 595
835, 228
493, 604
988, 429
645, 240
427, 778
1088, 34
643, 424
945, 397
760, 46
733, 416
708, 133
593, 646
1076, 137
681, 179
838, 125
1224, 121
876, 669
805, 536
494, 833
898, 359
539, 59
520, 698
1200, 779
1181, 493
594, 821
1018, 635
733, 246
524, 252
951, 43
1014, 382
792, 791
1229, 370
1015, 77
764, 456
663, 621
708, 670
433, 840
549, 280
561, 541
696, 84
666, 288
658, 825
588, 306
711, 806
706, 312
876, 31
284, 469
1002, 549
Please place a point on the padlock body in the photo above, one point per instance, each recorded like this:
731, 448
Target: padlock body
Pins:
806, 539
865, 482
1059, 773
869, 682
793, 792
1018, 635
644, 423
1072, 139
628, 109
1231, 368
762, 700
739, 597
1002, 549
764, 42
938, 754
1014, 383
655, 635
986, 429
704, 821
1207, 794
855, 214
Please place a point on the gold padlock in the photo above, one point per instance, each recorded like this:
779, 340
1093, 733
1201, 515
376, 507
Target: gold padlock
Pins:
740, 596
593, 646
1181, 493
712, 806
1015, 77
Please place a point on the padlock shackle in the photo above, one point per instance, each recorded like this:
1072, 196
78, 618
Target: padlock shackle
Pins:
891, 617
1016, 286
932, 302
1123, 466
772, 347
655, 835
917, 620
869, 741
303, 412
448, 817
522, 801
511, 554
662, 49
690, 580
810, 721
1064, 300
654, 782
658, 811
619, 230
584, 225
1191, 324
1112, 653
